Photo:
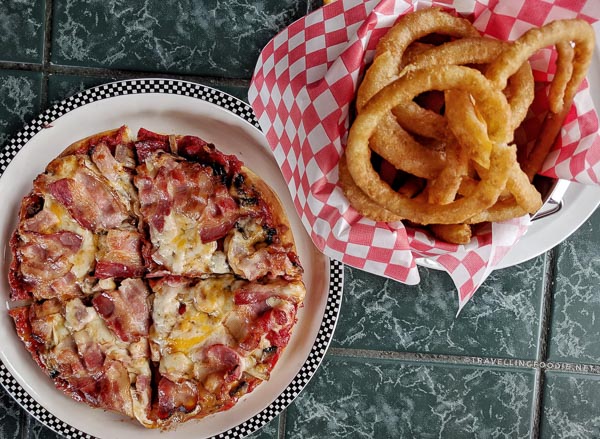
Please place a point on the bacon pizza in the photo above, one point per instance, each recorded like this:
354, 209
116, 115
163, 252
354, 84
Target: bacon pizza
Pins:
156, 277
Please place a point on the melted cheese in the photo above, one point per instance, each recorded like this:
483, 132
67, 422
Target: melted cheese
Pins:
181, 250
242, 240
64, 167
59, 330
86, 325
176, 366
187, 319
241, 246
214, 296
84, 259
193, 329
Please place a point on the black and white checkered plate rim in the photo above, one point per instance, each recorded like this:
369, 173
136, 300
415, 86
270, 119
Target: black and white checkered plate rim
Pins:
244, 111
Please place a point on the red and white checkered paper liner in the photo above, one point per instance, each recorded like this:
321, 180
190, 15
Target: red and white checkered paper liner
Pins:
302, 90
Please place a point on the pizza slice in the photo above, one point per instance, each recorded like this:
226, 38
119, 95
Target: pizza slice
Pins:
96, 351
216, 339
208, 214
85, 198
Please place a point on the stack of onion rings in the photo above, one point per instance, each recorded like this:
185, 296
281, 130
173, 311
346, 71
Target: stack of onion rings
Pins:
456, 159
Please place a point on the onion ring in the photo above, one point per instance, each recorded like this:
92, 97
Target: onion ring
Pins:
575, 30
399, 148
452, 233
460, 169
444, 187
403, 90
564, 72
555, 33
501, 211
361, 202
407, 29
479, 50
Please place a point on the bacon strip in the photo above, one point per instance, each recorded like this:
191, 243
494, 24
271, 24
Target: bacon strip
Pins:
194, 148
190, 185
126, 310
256, 292
219, 217
43, 264
39, 251
42, 222
173, 397
114, 387
188, 189
89, 201
224, 358
106, 163
120, 255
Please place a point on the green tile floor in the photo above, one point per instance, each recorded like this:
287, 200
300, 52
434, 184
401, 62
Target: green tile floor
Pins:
521, 360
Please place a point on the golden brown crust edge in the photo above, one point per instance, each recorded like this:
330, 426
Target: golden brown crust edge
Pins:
275, 205
80, 145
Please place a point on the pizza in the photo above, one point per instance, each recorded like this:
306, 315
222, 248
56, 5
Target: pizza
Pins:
156, 277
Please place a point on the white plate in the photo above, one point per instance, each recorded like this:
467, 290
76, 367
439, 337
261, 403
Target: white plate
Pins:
174, 107
579, 202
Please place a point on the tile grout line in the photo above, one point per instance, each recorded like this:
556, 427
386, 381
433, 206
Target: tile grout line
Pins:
536, 408
56, 69
15, 65
46, 52
546, 311
281, 424
24, 424
311, 5
574, 368
543, 340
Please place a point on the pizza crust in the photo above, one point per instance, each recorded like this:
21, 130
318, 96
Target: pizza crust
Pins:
83, 145
275, 206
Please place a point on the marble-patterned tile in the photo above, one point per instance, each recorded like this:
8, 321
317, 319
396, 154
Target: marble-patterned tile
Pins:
571, 406
10, 416
576, 297
37, 430
19, 101
502, 320
269, 431
314, 5
389, 399
179, 36
237, 91
63, 86
22, 30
